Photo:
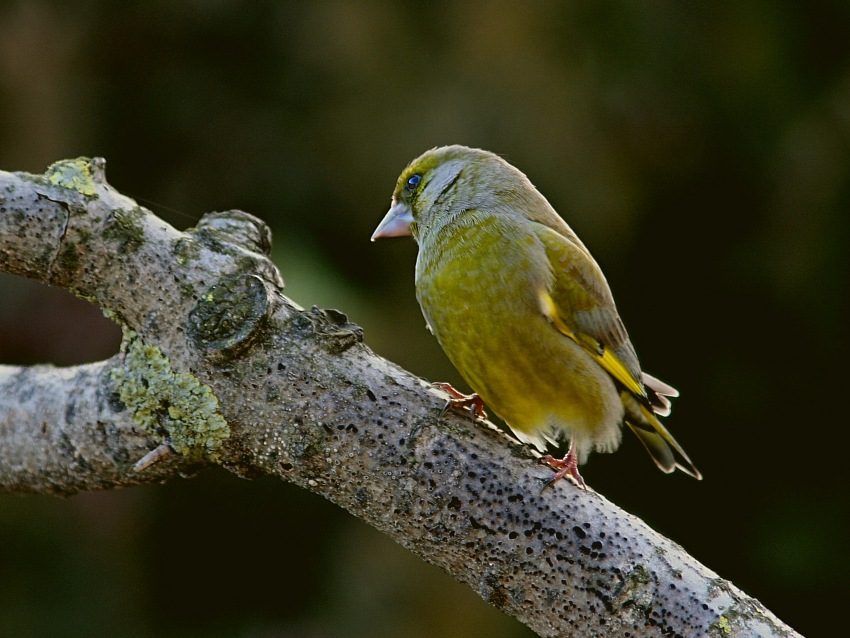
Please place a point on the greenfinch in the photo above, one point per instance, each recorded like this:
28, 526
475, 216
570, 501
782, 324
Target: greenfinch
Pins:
524, 312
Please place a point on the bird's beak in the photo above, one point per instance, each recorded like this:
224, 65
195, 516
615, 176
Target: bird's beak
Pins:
396, 223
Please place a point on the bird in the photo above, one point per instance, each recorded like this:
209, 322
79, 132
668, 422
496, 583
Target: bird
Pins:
524, 312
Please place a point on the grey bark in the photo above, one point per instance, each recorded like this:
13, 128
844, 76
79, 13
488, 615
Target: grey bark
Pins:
218, 367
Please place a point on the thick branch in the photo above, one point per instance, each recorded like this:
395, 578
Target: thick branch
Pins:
219, 366
62, 431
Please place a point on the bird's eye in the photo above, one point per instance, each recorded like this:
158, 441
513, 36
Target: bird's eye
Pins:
413, 182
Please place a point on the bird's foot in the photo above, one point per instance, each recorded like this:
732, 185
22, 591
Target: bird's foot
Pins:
470, 403
567, 466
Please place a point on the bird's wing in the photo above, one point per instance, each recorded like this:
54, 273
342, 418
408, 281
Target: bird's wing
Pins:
579, 304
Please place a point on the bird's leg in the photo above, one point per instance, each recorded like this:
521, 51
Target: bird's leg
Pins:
567, 466
461, 402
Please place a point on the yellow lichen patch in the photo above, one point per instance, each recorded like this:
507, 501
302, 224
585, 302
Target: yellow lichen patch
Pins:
174, 406
72, 174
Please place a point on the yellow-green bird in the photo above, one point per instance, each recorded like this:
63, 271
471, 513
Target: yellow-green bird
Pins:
524, 312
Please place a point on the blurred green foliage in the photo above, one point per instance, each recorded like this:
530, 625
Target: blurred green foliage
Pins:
701, 150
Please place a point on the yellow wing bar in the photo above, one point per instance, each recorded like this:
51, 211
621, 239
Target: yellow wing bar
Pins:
604, 357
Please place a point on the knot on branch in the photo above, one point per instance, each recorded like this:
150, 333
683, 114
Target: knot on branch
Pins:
332, 328
238, 227
236, 234
229, 316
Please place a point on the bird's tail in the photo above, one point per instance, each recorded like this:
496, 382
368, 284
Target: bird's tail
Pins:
659, 394
662, 447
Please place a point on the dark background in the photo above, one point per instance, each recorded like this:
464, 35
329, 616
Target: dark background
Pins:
702, 152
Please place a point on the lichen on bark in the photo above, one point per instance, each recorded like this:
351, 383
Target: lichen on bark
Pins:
72, 174
172, 406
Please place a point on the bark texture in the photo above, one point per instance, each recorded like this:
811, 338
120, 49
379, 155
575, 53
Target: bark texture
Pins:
217, 366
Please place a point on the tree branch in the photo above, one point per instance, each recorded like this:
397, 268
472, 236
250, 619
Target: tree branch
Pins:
218, 367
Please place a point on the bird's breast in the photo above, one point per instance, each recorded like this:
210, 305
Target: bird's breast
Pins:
478, 292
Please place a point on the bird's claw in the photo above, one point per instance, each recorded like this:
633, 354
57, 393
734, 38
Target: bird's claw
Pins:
567, 466
458, 401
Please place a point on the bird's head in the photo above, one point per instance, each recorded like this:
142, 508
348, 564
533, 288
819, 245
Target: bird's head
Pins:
438, 183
